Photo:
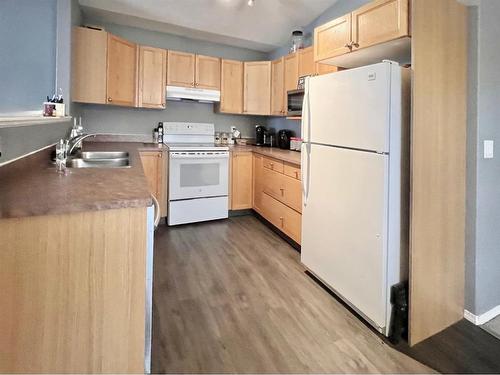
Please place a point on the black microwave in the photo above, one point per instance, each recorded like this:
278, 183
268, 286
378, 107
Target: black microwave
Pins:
294, 102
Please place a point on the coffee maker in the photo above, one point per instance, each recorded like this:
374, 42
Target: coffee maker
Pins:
260, 132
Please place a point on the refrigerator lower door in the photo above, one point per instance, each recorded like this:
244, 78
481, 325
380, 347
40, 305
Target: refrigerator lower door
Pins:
344, 226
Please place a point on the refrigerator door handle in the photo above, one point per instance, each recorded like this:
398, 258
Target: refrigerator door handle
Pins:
306, 161
306, 118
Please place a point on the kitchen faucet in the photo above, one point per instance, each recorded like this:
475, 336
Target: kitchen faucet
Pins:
74, 141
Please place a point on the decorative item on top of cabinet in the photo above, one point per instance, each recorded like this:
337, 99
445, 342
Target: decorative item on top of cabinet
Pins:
152, 75
154, 167
88, 79
207, 72
278, 88
241, 180
180, 70
257, 88
231, 95
122, 72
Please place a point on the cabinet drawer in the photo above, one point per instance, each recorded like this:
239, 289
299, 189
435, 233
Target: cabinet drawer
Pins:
292, 170
283, 217
283, 188
273, 164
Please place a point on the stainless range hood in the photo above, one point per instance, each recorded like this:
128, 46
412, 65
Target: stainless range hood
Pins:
192, 93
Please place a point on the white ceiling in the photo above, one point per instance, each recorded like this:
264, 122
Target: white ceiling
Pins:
264, 27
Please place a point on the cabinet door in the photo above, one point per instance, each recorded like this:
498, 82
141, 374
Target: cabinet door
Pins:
291, 72
88, 80
152, 71
257, 88
121, 72
257, 183
325, 69
180, 69
231, 100
333, 38
207, 72
241, 180
379, 21
278, 88
151, 162
306, 62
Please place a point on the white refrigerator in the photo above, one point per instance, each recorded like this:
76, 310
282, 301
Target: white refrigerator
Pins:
355, 163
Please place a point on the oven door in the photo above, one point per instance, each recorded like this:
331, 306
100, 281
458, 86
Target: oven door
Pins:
198, 174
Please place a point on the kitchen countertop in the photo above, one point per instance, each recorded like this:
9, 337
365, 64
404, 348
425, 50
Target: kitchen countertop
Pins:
32, 187
273, 152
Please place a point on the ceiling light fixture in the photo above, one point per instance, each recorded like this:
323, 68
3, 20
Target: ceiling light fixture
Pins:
251, 3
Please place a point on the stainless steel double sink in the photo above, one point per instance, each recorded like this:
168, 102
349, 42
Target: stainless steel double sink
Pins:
99, 159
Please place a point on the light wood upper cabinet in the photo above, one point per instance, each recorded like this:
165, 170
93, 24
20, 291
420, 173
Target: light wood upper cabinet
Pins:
379, 21
231, 95
278, 87
241, 180
88, 80
333, 38
307, 66
291, 72
180, 70
257, 88
190, 70
207, 74
152, 75
121, 71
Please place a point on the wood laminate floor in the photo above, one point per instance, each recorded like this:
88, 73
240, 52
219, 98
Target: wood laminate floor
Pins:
232, 296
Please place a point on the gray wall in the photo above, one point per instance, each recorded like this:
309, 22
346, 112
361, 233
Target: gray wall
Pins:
483, 292
27, 60
16, 142
107, 119
338, 9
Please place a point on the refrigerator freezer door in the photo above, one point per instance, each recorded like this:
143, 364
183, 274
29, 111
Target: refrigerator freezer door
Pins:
344, 226
350, 108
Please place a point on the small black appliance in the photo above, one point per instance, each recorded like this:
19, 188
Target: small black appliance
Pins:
260, 132
284, 139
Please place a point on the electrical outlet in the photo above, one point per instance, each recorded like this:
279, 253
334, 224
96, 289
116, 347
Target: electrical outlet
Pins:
488, 149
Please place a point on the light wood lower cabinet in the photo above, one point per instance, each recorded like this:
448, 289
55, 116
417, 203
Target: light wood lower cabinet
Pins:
73, 292
283, 217
278, 196
155, 170
287, 190
241, 180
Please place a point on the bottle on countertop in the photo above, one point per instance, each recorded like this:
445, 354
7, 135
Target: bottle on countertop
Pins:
160, 132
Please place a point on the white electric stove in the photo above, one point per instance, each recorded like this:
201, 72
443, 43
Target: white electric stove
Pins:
198, 173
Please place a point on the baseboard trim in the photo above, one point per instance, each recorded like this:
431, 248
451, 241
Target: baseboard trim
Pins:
483, 318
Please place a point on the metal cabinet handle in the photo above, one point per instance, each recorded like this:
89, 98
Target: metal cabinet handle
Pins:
281, 219
282, 191
355, 44
110, 99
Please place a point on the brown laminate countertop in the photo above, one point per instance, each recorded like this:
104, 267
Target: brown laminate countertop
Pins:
32, 187
273, 152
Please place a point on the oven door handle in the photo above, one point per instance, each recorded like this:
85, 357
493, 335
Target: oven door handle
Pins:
198, 156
